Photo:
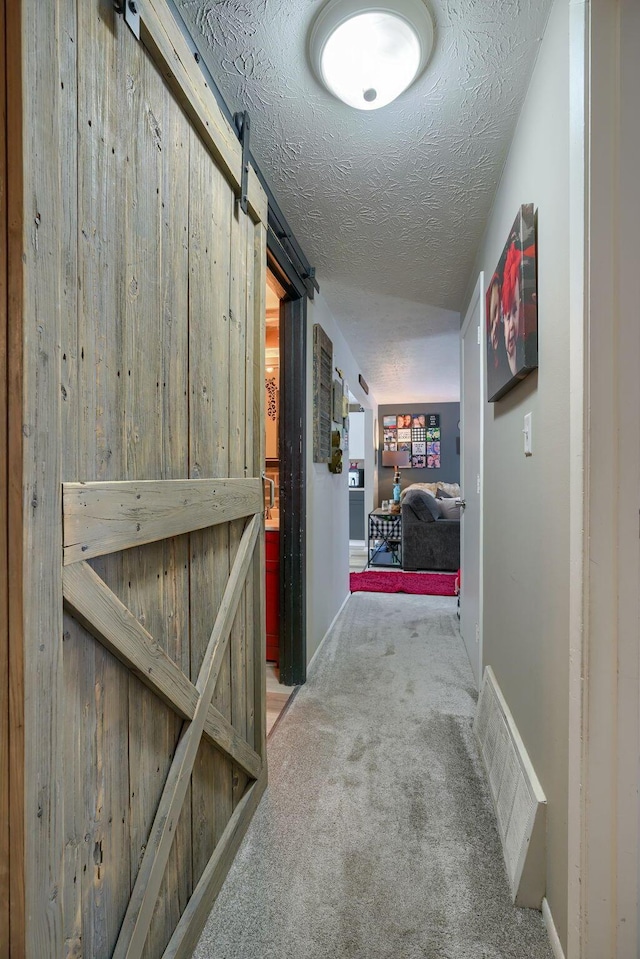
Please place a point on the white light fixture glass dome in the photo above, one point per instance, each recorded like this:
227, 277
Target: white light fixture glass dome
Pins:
368, 53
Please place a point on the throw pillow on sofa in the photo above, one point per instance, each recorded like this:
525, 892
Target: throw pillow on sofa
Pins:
449, 509
426, 487
423, 505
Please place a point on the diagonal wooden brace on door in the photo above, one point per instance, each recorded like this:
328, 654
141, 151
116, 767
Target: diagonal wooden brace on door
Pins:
93, 604
139, 913
107, 517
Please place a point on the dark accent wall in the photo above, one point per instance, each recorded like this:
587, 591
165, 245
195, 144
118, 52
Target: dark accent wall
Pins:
449, 471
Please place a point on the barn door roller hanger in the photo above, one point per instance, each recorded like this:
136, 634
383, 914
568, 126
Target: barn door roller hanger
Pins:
243, 127
131, 13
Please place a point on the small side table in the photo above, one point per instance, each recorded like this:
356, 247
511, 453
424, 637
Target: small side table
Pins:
385, 538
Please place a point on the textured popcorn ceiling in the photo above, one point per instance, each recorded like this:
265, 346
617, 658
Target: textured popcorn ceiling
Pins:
388, 205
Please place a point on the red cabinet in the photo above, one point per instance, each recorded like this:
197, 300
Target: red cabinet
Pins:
272, 551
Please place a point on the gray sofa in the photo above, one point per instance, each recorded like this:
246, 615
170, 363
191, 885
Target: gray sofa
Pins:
429, 541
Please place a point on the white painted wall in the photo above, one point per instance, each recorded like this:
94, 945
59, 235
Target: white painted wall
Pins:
370, 458
327, 494
526, 500
356, 436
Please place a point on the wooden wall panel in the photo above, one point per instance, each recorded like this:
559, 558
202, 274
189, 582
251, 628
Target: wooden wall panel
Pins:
143, 360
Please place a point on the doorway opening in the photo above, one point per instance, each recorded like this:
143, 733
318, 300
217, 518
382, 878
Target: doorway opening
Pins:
278, 694
272, 468
471, 469
357, 476
285, 415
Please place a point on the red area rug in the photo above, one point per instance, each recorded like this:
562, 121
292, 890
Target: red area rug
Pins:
388, 581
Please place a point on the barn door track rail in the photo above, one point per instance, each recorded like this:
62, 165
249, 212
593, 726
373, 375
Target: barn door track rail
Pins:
101, 518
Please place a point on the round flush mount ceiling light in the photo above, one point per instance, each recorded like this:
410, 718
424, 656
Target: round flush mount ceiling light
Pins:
368, 53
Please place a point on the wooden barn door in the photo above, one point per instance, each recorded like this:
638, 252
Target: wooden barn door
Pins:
144, 387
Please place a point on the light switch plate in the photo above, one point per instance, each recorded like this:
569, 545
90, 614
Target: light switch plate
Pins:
528, 443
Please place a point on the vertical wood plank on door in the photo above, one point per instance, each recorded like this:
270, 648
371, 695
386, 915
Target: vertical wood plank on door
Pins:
209, 253
103, 685
152, 729
4, 577
258, 693
45, 153
237, 462
250, 438
15, 378
78, 656
174, 271
74, 649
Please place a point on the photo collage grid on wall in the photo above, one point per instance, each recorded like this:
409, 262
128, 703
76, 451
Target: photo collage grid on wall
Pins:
415, 433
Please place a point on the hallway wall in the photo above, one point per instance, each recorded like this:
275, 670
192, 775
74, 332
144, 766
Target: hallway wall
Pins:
526, 500
327, 494
449, 471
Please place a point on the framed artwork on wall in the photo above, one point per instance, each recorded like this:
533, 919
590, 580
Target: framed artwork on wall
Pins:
512, 309
322, 385
417, 434
336, 402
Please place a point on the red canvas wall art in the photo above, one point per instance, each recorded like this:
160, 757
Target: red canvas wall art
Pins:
512, 309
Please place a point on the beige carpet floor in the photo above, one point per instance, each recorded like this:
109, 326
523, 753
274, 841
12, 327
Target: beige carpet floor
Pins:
376, 838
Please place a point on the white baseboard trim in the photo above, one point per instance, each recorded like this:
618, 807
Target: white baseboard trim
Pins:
330, 627
554, 938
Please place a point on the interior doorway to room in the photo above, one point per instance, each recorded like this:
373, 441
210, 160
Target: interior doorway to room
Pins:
471, 409
274, 295
356, 483
277, 694
285, 397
